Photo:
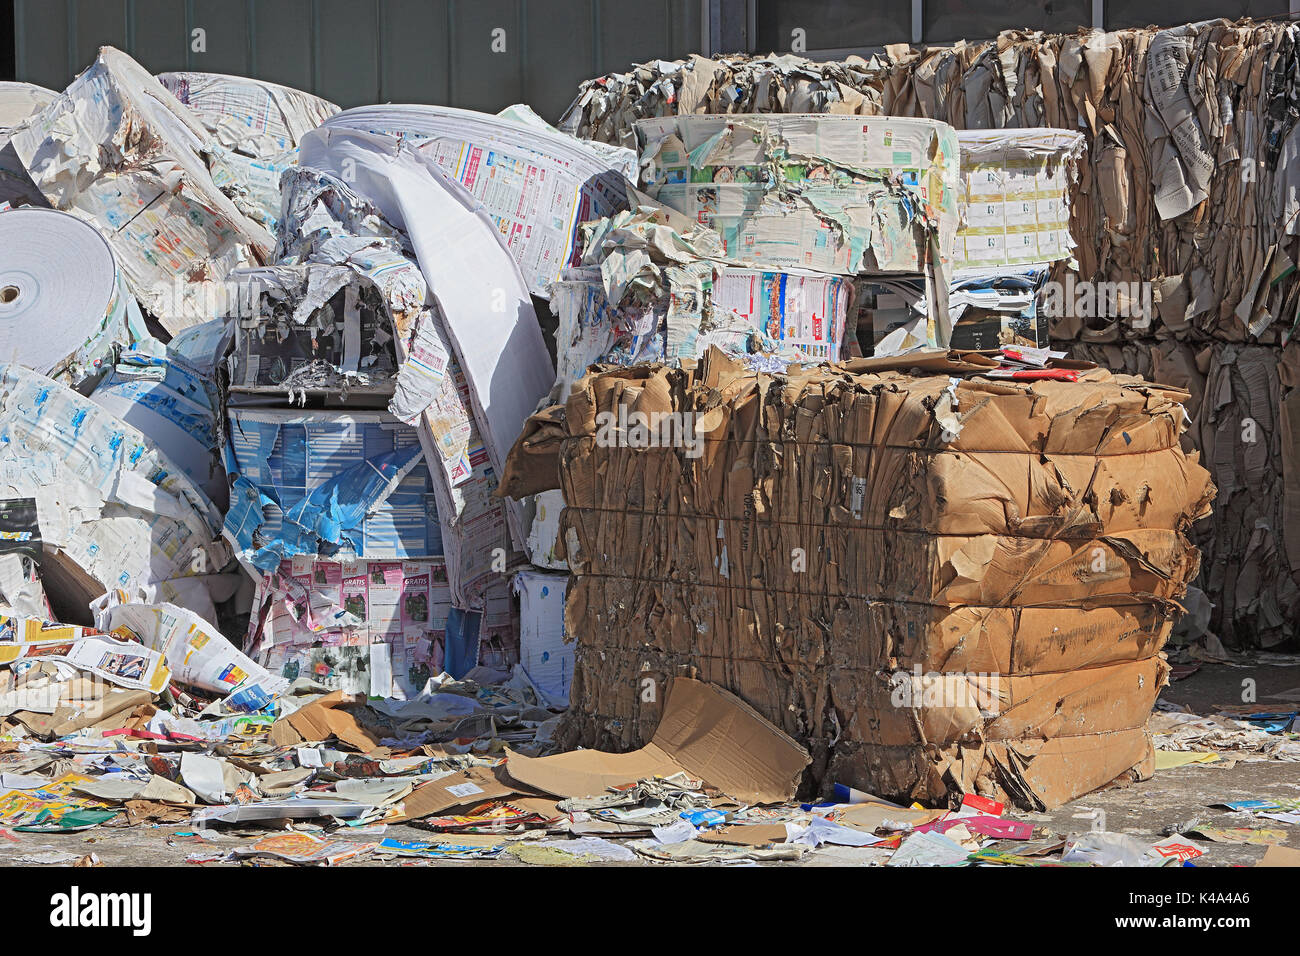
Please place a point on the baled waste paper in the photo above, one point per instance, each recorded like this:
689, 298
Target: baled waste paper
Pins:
362, 305
655, 285
119, 151
992, 308
989, 308
829, 193
355, 608
752, 203
311, 328
1151, 158
927, 579
1183, 218
115, 512
329, 227
165, 395
255, 128
327, 482
255, 116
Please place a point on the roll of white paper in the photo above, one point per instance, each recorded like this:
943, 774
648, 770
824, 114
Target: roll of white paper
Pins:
63, 303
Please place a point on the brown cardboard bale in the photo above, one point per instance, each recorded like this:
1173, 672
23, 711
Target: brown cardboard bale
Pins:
1009, 554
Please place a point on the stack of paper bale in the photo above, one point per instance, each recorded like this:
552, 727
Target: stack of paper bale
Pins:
1185, 208
411, 242
536, 187
335, 512
804, 207
831, 194
763, 222
940, 584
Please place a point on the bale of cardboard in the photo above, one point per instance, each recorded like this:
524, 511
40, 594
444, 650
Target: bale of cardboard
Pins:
939, 582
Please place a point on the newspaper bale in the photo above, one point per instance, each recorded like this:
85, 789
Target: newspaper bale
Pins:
310, 614
115, 512
835, 194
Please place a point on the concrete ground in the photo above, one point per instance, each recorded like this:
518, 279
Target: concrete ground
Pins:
1174, 796
1141, 809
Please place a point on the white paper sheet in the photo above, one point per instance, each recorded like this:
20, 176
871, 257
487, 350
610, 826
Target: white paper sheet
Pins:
479, 288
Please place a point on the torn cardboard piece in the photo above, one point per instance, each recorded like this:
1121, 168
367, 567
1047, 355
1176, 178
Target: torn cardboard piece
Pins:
706, 732
320, 720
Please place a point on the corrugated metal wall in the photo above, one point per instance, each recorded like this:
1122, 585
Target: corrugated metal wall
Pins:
450, 51
475, 54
